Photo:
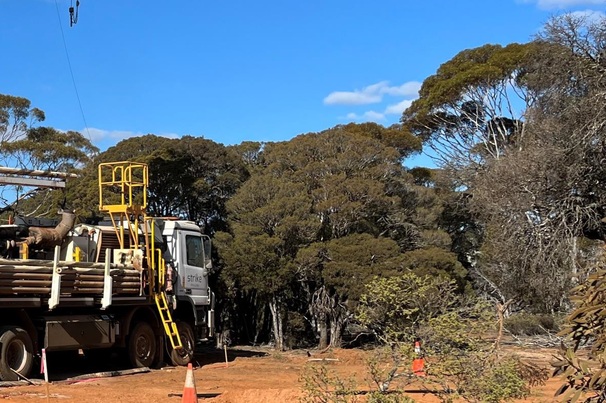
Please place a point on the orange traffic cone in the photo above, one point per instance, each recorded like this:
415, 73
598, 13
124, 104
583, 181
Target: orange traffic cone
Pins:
189, 390
418, 367
418, 364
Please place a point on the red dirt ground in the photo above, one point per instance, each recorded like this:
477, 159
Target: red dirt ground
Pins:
251, 376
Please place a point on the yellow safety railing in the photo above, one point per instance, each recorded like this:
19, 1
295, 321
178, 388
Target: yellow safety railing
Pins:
130, 178
123, 195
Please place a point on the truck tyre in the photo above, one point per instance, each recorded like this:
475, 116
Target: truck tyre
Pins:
142, 345
183, 356
16, 353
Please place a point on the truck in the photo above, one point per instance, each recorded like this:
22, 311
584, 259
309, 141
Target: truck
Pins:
134, 284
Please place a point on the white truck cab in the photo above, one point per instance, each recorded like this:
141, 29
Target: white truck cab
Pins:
188, 253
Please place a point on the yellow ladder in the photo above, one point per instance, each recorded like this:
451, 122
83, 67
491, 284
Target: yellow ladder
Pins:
123, 195
170, 327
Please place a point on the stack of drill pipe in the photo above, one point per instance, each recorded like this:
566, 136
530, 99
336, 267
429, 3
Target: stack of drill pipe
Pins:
35, 277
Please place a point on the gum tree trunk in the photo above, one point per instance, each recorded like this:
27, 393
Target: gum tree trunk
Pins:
277, 326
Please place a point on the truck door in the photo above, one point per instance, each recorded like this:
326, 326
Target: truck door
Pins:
193, 272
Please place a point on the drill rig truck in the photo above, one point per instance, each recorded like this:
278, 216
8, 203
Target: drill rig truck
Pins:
134, 284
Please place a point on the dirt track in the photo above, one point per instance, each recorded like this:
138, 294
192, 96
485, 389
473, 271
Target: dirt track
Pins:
251, 376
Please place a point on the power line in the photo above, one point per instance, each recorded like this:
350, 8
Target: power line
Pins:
69, 63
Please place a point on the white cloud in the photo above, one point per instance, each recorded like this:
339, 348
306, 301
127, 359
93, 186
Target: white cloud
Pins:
562, 4
409, 89
372, 94
397, 109
369, 116
351, 98
376, 93
374, 116
589, 15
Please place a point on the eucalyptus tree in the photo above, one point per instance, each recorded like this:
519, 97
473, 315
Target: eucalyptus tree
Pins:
84, 192
322, 213
193, 178
27, 146
16, 117
49, 149
190, 178
472, 110
530, 171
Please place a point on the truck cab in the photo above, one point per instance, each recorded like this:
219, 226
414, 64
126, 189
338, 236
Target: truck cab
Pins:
188, 255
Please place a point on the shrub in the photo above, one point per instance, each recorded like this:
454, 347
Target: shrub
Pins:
322, 386
526, 324
462, 364
502, 382
378, 397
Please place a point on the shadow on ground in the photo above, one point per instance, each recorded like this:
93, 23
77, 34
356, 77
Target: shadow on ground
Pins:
69, 364
207, 355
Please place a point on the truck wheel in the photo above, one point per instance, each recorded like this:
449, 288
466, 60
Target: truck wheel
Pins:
16, 353
184, 355
142, 345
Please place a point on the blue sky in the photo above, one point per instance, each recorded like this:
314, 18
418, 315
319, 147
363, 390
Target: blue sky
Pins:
240, 70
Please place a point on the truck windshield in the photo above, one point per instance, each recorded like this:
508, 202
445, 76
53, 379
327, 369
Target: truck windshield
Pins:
195, 251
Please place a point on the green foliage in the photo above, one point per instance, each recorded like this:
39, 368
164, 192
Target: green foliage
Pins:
435, 261
532, 174
322, 214
194, 178
394, 136
449, 103
585, 376
396, 307
346, 264
16, 117
24, 146
190, 178
538, 201
251, 153
322, 386
422, 176
531, 324
460, 362
502, 381
378, 397
49, 149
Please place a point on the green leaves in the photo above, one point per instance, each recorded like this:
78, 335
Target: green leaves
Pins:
325, 212
16, 117
396, 306
191, 178
49, 149
587, 323
460, 360
471, 69
465, 111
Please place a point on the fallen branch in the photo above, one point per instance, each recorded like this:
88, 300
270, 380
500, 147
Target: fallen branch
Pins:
109, 374
22, 377
20, 383
358, 336
547, 340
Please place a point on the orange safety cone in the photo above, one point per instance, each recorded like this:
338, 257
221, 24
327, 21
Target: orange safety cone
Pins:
418, 364
190, 395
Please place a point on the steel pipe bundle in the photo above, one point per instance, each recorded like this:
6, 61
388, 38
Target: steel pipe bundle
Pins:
35, 277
